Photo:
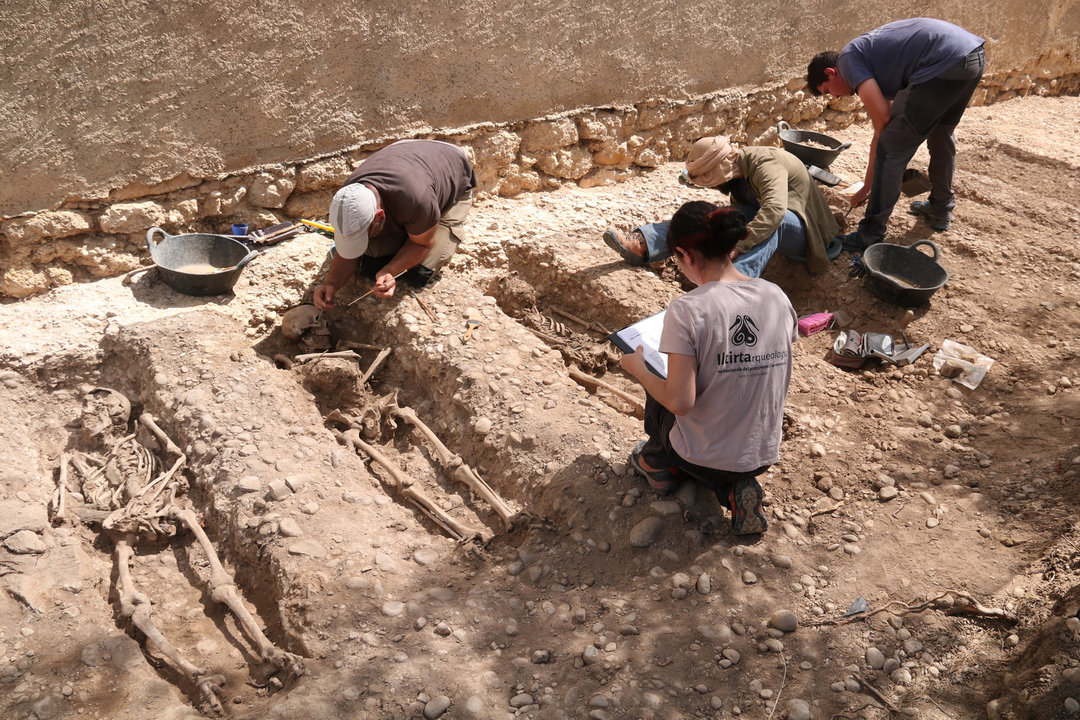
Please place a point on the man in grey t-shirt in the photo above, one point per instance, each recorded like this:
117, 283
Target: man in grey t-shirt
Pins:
915, 78
400, 213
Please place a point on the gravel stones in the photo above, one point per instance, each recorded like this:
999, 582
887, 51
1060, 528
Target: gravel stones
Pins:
704, 584
875, 658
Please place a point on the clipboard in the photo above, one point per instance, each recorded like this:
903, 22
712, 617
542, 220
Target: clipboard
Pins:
646, 334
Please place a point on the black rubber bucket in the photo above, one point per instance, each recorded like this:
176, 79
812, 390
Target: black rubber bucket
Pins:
903, 275
198, 263
810, 155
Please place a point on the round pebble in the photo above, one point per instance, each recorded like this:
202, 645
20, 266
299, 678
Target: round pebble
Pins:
887, 493
798, 710
704, 584
1072, 705
436, 706
646, 532
749, 578
784, 620
522, 699
875, 658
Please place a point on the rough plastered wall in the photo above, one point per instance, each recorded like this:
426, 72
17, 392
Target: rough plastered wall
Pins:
116, 115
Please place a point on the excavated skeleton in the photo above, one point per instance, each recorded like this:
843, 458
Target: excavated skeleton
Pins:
134, 496
402, 484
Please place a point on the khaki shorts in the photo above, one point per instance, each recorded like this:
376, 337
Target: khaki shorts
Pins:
448, 235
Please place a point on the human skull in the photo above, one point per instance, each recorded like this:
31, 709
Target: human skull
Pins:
305, 324
105, 413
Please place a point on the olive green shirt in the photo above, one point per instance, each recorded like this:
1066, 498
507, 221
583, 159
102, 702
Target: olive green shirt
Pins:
781, 183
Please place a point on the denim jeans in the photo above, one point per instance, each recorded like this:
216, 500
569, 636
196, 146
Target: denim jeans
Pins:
789, 240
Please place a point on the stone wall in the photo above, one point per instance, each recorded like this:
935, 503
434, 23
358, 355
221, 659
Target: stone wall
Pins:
179, 142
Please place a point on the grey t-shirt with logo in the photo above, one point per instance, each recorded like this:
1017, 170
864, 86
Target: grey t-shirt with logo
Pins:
905, 53
741, 334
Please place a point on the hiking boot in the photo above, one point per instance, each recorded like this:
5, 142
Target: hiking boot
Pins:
747, 516
662, 481
922, 207
853, 242
631, 246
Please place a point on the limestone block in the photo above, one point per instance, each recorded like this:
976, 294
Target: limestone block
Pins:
496, 149
222, 202
271, 189
53, 224
186, 210
549, 135
518, 180
496, 152
686, 130
310, 205
323, 174
22, 280
653, 116
617, 155
652, 156
133, 217
102, 256
140, 190
572, 162
604, 126
604, 176
1018, 82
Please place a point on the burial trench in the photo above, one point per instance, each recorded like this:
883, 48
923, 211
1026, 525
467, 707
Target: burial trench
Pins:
189, 369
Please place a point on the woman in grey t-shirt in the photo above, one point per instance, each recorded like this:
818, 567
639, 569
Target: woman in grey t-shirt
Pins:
718, 415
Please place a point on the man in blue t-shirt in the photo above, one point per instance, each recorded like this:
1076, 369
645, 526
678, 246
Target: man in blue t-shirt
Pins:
915, 78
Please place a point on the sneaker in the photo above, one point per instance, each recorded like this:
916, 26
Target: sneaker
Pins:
662, 481
922, 207
747, 517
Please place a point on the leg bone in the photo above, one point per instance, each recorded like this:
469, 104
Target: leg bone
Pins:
136, 606
223, 590
405, 487
455, 466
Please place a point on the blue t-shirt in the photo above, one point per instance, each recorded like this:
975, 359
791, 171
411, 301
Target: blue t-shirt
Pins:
905, 53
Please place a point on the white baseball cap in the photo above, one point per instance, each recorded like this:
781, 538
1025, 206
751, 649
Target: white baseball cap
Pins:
351, 212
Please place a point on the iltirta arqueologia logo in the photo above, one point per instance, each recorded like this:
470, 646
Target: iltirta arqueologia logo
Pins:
744, 331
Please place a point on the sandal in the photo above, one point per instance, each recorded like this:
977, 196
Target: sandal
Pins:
614, 240
662, 481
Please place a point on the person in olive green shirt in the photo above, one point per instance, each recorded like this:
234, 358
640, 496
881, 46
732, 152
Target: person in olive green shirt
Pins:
786, 210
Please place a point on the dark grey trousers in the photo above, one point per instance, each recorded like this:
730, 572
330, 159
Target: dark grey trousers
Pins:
658, 453
929, 112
